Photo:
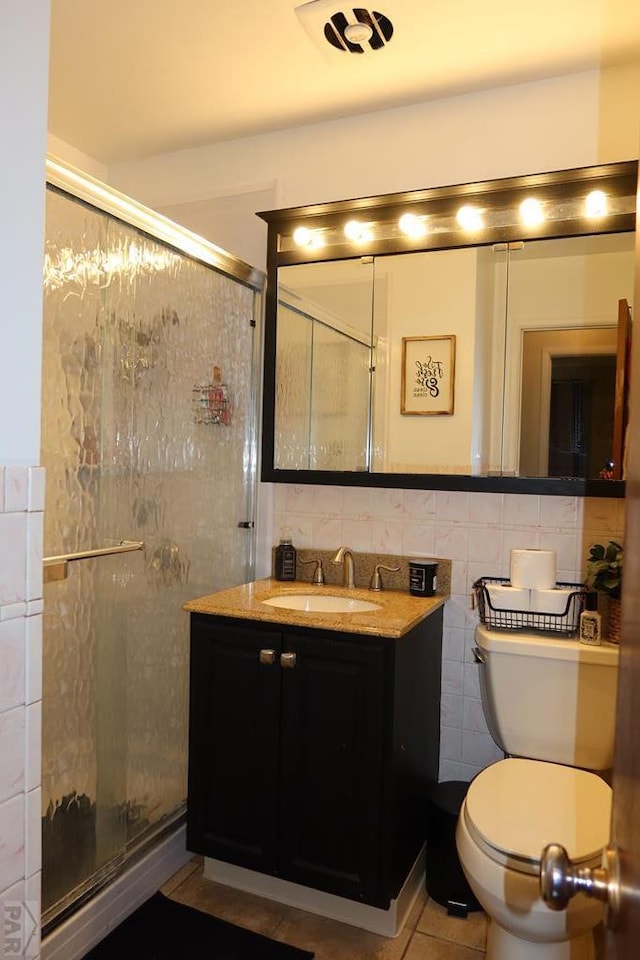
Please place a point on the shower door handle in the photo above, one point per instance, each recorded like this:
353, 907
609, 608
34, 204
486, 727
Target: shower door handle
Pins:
55, 568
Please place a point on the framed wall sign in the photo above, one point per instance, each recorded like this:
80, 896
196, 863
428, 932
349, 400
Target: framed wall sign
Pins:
428, 375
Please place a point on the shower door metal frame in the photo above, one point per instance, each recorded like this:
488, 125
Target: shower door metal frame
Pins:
102, 197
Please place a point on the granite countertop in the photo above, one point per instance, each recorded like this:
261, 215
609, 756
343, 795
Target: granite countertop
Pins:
398, 614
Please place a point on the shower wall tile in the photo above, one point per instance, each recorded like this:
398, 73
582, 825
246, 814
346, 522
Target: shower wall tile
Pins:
33, 896
476, 532
33, 833
12, 658
12, 751
34, 555
13, 557
16, 489
33, 659
13, 611
36, 489
15, 894
33, 745
12, 834
21, 504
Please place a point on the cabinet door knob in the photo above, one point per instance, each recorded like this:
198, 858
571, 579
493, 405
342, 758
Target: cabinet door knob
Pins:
267, 656
288, 660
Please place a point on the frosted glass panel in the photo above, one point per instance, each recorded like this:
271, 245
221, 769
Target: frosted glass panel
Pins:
293, 399
322, 400
147, 434
340, 401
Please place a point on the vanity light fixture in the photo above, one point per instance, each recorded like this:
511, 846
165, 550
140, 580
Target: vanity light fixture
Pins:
357, 231
486, 212
596, 204
413, 226
470, 217
531, 212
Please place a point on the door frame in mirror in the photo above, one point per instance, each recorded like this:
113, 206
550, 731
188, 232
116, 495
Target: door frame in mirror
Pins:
562, 191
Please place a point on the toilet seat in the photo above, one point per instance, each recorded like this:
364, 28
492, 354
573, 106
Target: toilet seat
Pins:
515, 807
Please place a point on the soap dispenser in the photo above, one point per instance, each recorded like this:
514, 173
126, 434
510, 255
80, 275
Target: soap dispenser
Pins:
285, 557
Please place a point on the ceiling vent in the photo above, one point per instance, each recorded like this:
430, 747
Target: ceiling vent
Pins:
346, 29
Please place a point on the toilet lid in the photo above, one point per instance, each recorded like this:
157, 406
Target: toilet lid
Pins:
514, 808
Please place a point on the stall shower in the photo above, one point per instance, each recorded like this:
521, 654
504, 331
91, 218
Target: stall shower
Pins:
148, 440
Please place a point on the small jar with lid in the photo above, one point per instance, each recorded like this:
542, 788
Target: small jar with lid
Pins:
422, 576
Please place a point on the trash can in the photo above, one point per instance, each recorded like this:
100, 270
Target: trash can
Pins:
445, 881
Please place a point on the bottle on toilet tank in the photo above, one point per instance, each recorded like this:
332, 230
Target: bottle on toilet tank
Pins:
591, 621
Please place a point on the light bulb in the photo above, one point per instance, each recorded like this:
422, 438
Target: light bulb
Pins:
302, 236
412, 226
470, 218
596, 204
531, 212
358, 232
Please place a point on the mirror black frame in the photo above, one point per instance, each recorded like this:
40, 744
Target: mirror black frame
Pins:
567, 187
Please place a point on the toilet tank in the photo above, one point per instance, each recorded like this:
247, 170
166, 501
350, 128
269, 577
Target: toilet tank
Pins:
549, 698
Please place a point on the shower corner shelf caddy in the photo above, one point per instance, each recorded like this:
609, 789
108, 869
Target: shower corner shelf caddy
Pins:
211, 403
566, 622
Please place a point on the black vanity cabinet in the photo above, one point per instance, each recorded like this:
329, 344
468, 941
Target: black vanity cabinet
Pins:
310, 751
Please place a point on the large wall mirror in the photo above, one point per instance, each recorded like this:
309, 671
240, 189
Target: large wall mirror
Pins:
446, 343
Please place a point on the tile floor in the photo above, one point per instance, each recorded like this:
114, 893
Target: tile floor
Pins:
429, 934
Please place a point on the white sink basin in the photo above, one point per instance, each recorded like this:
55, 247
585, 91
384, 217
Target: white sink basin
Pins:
320, 603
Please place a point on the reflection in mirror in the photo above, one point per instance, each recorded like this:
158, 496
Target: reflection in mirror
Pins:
562, 336
460, 293
323, 364
523, 314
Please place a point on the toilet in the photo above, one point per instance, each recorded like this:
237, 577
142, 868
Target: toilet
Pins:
549, 703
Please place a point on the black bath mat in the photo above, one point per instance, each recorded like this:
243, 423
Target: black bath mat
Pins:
162, 929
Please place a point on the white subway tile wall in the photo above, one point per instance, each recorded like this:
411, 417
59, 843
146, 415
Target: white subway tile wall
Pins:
476, 531
21, 514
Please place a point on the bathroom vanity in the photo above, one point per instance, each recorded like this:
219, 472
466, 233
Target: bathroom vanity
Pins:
313, 736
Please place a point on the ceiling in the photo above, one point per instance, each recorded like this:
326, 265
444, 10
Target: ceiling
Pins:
134, 78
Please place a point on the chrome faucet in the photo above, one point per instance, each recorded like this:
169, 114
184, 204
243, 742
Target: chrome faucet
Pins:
345, 557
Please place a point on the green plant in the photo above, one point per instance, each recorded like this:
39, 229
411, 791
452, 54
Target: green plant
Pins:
604, 568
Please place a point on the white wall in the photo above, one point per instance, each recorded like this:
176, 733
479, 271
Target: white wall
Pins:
552, 124
24, 50
75, 158
429, 295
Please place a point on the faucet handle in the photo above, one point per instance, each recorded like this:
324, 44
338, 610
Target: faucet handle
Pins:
318, 573
376, 579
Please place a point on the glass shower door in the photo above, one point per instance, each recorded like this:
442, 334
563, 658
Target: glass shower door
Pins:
147, 436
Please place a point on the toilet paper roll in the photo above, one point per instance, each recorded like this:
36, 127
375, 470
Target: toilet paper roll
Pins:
533, 569
505, 597
550, 601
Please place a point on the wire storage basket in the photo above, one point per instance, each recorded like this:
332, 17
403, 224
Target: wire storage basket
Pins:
566, 622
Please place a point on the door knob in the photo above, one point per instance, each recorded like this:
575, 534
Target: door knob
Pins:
560, 879
288, 660
267, 656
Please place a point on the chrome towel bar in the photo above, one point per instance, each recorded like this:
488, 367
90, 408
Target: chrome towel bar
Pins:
55, 568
